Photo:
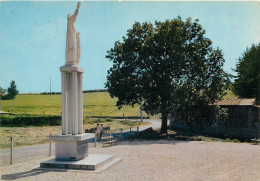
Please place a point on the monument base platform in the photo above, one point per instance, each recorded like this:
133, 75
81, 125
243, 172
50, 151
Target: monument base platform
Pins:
92, 162
71, 147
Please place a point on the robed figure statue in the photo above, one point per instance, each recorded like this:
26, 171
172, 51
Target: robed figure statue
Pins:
72, 41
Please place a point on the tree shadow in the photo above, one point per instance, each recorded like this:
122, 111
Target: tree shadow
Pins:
133, 138
30, 173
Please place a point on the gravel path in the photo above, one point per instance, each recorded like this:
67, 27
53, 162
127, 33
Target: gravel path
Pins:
24, 152
155, 160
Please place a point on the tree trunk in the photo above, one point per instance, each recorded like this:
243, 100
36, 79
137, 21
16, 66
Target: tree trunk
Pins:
164, 122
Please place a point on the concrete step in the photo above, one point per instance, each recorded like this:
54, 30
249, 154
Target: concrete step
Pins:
92, 162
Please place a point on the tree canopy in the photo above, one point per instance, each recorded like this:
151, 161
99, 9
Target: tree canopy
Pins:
12, 90
247, 81
169, 66
2, 91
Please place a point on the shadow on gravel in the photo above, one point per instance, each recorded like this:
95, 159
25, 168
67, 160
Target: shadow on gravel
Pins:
30, 173
151, 136
174, 136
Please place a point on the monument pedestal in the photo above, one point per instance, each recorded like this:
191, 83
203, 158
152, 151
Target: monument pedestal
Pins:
71, 147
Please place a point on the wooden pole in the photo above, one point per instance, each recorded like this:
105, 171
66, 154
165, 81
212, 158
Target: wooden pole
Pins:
50, 146
121, 134
11, 152
141, 112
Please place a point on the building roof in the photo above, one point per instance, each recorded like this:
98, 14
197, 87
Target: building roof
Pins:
238, 102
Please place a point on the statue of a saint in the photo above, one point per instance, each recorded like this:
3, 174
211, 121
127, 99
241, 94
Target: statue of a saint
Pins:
73, 40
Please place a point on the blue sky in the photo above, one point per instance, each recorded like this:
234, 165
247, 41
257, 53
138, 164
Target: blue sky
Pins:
33, 35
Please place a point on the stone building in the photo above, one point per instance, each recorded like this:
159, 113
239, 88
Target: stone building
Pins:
242, 113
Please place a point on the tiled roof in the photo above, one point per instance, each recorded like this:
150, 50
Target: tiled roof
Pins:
240, 102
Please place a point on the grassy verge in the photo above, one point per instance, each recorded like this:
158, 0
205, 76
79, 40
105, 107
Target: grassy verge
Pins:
32, 135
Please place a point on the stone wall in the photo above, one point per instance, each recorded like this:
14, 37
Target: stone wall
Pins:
243, 122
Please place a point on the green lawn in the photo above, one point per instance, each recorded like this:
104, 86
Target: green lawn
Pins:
94, 104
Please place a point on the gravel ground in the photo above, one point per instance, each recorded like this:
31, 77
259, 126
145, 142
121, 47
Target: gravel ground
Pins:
154, 160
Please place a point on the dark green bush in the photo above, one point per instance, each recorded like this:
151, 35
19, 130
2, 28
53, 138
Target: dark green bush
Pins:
29, 120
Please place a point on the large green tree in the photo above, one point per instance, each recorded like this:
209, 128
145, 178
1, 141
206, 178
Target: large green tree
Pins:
168, 67
12, 90
247, 81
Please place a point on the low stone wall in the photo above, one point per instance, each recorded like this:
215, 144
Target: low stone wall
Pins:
240, 133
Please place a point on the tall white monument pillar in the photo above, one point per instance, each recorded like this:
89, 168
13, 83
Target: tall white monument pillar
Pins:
72, 100
72, 144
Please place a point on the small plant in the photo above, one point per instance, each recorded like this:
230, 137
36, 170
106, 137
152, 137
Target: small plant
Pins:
109, 120
228, 139
236, 141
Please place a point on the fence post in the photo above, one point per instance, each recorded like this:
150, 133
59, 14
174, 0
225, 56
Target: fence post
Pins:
141, 112
95, 141
11, 152
137, 129
130, 129
121, 134
50, 146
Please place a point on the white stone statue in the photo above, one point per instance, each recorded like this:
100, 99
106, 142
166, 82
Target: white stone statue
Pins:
73, 40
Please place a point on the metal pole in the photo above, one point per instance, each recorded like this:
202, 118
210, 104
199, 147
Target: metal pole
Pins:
50, 87
11, 152
137, 129
130, 130
50, 146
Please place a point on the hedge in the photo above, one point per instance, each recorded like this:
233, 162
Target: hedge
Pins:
29, 120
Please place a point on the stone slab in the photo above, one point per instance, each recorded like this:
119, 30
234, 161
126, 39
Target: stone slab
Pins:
69, 68
71, 137
92, 162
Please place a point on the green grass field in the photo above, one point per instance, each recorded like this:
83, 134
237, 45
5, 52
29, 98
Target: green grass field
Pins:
230, 95
94, 104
